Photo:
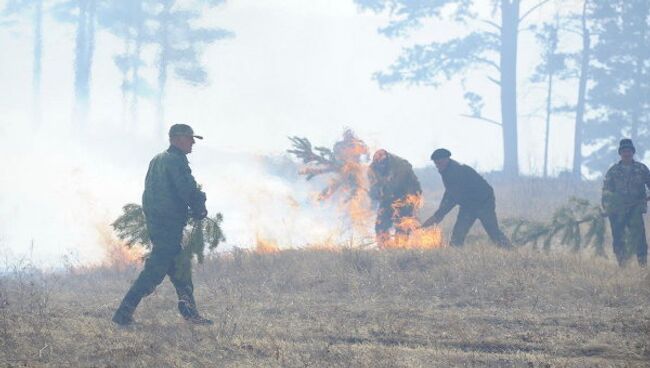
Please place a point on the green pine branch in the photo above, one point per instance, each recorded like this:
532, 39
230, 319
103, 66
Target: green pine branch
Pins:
579, 224
131, 227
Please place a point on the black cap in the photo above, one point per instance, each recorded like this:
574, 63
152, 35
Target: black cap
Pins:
182, 129
440, 153
626, 143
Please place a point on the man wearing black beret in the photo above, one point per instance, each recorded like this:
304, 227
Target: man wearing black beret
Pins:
466, 188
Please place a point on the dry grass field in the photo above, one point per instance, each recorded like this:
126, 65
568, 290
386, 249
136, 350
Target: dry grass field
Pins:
473, 307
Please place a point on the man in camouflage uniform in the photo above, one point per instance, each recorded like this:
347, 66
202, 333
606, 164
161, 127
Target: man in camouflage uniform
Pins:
624, 200
170, 191
395, 187
466, 188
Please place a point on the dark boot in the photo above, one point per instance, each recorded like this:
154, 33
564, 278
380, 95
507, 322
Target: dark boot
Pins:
123, 319
187, 307
198, 320
124, 314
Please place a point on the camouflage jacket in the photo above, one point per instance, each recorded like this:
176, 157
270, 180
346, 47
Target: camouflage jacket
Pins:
170, 189
624, 187
399, 182
464, 187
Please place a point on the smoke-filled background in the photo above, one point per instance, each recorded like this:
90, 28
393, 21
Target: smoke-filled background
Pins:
90, 87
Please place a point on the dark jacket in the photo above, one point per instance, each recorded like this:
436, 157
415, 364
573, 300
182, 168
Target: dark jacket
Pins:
463, 187
624, 187
170, 189
393, 180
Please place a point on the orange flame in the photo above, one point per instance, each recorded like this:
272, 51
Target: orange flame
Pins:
411, 235
424, 238
117, 253
266, 246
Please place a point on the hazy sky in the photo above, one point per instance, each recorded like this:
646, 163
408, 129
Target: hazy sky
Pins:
294, 67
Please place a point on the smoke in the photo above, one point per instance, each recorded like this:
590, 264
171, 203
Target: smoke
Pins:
62, 191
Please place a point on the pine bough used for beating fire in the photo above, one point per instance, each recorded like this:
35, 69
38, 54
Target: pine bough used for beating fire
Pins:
567, 225
325, 160
303, 149
131, 227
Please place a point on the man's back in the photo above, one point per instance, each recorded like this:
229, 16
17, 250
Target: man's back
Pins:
465, 185
398, 182
169, 186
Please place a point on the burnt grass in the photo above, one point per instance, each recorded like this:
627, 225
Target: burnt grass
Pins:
473, 307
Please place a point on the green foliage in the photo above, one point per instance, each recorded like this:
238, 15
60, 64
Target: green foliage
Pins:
620, 79
578, 224
131, 227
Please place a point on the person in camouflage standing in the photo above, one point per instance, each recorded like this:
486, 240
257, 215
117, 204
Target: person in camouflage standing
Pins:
624, 200
170, 192
396, 188
466, 188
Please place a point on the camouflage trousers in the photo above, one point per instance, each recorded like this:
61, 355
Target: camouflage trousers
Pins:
166, 259
467, 216
389, 217
628, 235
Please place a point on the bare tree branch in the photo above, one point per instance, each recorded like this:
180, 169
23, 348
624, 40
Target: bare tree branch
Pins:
526, 14
481, 118
490, 63
494, 80
491, 23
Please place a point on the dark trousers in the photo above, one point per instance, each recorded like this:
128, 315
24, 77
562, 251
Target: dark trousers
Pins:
166, 259
630, 223
488, 217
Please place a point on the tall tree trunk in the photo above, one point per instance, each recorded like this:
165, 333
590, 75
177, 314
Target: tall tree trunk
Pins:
37, 64
84, 49
135, 77
508, 65
162, 66
638, 99
125, 69
80, 56
549, 109
582, 95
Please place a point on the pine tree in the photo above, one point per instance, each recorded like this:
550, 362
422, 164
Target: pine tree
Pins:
180, 43
14, 9
491, 43
619, 97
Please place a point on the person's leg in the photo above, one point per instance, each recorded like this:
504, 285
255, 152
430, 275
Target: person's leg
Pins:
383, 224
155, 269
166, 239
405, 221
617, 224
488, 218
180, 274
638, 239
464, 222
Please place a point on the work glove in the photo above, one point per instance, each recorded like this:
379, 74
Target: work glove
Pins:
199, 211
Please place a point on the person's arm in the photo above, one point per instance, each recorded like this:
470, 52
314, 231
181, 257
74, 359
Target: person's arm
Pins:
446, 205
187, 188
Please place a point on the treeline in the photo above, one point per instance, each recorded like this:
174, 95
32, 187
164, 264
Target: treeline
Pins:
602, 48
159, 35
599, 49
